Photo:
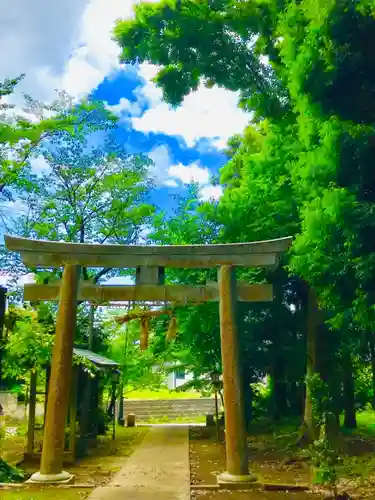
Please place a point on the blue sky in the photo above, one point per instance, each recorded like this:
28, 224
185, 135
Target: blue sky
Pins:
68, 45
176, 162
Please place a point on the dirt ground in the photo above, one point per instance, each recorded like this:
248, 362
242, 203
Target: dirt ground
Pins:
207, 458
274, 458
97, 468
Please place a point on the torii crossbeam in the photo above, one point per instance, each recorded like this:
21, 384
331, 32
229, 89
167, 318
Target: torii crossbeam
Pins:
150, 262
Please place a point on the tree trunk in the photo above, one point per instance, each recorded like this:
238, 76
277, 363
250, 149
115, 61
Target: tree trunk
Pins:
296, 398
91, 327
248, 399
350, 421
279, 389
310, 431
3, 292
372, 354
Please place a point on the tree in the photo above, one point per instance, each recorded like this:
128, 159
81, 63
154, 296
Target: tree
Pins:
29, 342
139, 368
22, 134
309, 173
87, 195
210, 42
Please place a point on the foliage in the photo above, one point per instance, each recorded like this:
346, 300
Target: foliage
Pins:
304, 166
21, 134
29, 343
324, 453
139, 368
206, 42
197, 347
88, 194
9, 474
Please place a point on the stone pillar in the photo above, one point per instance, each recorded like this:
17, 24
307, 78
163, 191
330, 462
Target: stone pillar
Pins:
60, 382
235, 427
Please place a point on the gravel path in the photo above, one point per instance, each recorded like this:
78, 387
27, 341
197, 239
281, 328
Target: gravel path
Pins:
157, 470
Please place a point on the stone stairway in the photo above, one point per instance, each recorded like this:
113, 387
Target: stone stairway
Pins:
146, 409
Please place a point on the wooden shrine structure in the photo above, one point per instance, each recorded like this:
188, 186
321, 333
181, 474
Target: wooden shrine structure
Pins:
83, 418
150, 262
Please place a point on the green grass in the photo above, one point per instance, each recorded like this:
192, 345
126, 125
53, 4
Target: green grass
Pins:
366, 423
45, 493
161, 394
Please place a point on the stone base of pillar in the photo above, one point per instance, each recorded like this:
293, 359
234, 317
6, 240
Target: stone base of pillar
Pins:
61, 478
234, 481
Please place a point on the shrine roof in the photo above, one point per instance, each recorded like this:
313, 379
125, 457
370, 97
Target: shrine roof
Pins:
96, 359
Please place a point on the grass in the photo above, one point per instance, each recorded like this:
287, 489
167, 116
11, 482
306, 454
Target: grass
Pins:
47, 493
161, 394
366, 423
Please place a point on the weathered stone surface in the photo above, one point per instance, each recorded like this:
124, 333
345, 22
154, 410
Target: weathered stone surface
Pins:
52, 253
179, 294
145, 409
130, 420
61, 374
235, 429
149, 275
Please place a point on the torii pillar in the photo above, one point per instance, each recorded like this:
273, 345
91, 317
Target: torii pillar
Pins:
235, 426
60, 382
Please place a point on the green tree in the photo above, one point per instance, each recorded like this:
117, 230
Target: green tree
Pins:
210, 42
28, 344
309, 173
22, 133
88, 194
140, 369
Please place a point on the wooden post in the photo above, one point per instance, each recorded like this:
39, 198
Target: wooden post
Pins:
217, 422
235, 428
73, 414
144, 334
31, 422
48, 375
3, 303
59, 385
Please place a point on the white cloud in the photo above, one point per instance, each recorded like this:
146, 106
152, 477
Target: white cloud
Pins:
165, 173
161, 157
13, 208
96, 54
39, 164
171, 183
206, 113
126, 107
37, 38
188, 174
149, 92
210, 192
60, 44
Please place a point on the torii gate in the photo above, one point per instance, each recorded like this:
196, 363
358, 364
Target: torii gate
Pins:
150, 262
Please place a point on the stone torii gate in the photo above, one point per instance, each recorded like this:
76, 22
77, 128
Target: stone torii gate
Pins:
150, 262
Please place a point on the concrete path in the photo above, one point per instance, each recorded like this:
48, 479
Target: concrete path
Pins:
157, 470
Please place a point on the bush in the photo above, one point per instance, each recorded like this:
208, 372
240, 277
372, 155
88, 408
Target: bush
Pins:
9, 474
